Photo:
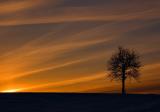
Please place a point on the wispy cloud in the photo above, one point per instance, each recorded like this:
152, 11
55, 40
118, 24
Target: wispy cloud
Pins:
45, 12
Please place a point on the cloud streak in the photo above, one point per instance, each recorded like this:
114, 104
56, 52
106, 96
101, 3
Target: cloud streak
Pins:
62, 12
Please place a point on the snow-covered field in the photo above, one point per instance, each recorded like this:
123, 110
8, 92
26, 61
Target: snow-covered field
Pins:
48, 102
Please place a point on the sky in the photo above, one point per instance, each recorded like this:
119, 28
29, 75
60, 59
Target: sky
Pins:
63, 45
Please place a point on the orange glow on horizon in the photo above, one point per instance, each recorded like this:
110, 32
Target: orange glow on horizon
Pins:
11, 91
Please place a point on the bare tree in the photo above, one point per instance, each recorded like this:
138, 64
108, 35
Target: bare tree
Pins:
124, 64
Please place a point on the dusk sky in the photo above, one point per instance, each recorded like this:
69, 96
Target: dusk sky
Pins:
63, 45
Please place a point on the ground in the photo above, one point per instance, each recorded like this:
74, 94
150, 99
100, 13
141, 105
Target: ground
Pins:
58, 102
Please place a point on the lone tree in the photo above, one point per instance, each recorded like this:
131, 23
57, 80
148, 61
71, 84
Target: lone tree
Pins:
124, 64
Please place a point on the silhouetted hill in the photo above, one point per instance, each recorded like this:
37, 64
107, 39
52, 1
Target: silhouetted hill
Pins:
48, 102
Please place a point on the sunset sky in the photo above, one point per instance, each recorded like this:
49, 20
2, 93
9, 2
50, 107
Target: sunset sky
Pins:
63, 45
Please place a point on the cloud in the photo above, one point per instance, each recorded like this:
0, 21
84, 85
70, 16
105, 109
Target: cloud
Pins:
17, 6
69, 82
62, 12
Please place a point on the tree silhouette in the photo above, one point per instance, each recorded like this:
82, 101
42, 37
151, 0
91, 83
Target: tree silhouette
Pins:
124, 64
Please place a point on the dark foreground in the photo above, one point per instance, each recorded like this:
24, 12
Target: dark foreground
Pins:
43, 102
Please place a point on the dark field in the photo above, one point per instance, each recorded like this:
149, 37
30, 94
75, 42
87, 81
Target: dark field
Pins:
47, 102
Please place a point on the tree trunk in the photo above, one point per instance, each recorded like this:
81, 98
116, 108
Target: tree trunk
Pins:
123, 79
